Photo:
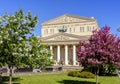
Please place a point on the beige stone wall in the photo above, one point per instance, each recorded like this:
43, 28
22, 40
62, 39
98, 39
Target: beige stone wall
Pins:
73, 26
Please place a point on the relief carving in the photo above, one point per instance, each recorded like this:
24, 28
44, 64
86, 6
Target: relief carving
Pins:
59, 38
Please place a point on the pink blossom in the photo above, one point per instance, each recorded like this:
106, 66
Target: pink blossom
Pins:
102, 47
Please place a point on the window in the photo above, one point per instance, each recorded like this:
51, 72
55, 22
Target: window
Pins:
81, 29
93, 28
88, 28
74, 30
70, 29
51, 31
46, 31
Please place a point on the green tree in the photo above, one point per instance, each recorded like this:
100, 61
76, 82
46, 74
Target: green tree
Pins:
40, 55
13, 40
0, 60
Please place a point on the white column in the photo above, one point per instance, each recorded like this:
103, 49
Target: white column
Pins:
74, 55
51, 50
58, 53
66, 55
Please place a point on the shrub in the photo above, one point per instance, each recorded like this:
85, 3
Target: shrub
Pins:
82, 74
85, 74
74, 73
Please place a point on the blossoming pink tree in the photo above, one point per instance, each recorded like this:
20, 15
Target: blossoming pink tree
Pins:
102, 48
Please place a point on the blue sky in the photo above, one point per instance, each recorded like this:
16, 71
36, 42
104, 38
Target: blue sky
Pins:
106, 12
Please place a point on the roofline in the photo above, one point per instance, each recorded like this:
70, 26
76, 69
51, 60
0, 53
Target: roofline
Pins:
83, 22
70, 16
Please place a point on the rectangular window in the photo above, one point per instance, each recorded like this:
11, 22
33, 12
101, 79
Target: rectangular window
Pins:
74, 29
88, 28
70, 29
81, 29
46, 31
93, 28
51, 31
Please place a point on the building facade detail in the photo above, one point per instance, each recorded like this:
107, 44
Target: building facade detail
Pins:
60, 38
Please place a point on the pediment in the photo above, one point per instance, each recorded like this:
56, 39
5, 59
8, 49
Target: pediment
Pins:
67, 19
61, 38
64, 37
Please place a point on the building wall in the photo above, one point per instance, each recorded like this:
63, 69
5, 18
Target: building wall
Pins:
75, 28
73, 25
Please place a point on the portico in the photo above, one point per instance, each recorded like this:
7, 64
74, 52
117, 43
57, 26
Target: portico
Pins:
64, 48
63, 51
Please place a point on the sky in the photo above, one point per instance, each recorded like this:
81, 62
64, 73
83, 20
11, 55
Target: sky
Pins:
106, 12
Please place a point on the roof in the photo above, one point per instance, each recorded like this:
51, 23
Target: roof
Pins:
68, 15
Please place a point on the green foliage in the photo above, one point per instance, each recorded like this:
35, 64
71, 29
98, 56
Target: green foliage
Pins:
13, 31
107, 70
104, 70
80, 74
85, 74
74, 73
13, 40
39, 55
18, 47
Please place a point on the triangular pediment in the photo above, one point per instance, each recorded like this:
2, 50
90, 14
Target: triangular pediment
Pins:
64, 37
67, 19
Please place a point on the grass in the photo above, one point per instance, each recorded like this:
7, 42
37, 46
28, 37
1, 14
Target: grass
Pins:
60, 78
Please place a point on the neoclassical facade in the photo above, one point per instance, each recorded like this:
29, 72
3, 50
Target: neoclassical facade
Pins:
63, 34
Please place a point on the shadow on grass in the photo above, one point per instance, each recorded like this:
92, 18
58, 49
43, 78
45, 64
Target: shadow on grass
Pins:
75, 82
15, 80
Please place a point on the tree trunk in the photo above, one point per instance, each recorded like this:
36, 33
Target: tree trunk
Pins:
97, 72
10, 75
0, 77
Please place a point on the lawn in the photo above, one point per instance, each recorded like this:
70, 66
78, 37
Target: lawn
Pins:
60, 78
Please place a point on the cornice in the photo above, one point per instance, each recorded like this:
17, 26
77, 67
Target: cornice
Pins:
67, 15
64, 34
82, 22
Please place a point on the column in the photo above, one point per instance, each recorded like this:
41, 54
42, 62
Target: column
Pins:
58, 54
51, 50
74, 55
66, 55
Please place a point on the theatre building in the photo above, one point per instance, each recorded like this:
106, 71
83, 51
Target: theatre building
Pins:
62, 34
